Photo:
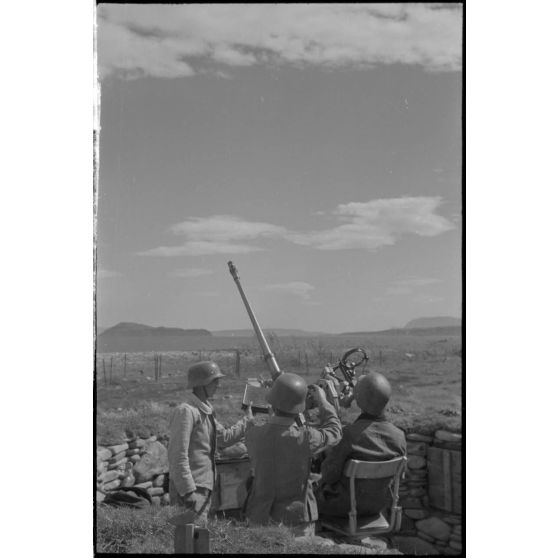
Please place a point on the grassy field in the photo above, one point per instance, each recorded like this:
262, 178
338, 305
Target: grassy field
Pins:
424, 371
131, 531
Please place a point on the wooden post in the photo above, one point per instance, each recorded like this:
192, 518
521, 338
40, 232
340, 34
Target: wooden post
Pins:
237, 363
124, 364
189, 538
104, 372
306, 361
111, 371
155, 365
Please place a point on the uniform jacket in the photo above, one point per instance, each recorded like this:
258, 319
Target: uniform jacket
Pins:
368, 439
194, 436
280, 453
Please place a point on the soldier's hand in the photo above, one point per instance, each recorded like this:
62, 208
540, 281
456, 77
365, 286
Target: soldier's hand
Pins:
328, 371
248, 412
318, 396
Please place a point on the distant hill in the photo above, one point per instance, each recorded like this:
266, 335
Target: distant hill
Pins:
449, 330
438, 321
279, 332
132, 337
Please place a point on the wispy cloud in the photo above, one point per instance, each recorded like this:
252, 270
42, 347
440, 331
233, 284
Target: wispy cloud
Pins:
107, 273
371, 225
177, 41
190, 272
295, 288
368, 226
218, 234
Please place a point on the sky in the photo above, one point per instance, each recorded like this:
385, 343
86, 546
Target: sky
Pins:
316, 146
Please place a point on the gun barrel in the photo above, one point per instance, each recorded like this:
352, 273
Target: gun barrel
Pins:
269, 357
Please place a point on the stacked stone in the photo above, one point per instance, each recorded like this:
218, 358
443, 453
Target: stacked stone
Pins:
414, 490
131, 463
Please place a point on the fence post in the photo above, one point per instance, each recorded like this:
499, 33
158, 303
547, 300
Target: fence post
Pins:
189, 538
306, 361
104, 372
111, 371
237, 363
124, 364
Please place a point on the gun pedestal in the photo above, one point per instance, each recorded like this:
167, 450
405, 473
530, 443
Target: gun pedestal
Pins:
189, 538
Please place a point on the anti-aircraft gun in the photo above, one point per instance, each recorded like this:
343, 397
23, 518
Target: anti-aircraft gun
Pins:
339, 390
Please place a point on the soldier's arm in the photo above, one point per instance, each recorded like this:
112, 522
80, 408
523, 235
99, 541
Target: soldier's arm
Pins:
328, 434
229, 436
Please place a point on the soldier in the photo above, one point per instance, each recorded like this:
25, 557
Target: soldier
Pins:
370, 438
281, 452
194, 437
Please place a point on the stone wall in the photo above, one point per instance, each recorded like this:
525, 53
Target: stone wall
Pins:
138, 462
430, 493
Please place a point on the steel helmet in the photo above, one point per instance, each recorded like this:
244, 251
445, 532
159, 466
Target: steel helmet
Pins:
288, 393
372, 392
203, 373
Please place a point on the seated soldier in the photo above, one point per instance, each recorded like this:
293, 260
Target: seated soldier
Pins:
281, 451
370, 438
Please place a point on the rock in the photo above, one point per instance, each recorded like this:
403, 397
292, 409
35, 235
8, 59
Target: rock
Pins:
165, 500
100, 497
407, 524
417, 492
354, 549
112, 485
455, 545
416, 514
425, 501
454, 446
118, 465
109, 476
147, 484
415, 437
155, 491
134, 458
151, 439
159, 481
426, 537
102, 466
455, 538
434, 527
456, 529
138, 443
153, 462
449, 551
156, 500
117, 457
410, 502
416, 448
133, 451
416, 462
445, 436
378, 544
413, 545
103, 454
453, 520
117, 449
416, 474
315, 540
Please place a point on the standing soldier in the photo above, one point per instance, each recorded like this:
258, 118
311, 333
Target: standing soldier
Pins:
195, 435
281, 453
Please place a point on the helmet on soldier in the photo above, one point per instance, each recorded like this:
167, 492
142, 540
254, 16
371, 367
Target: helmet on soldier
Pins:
372, 392
288, 393
203, 373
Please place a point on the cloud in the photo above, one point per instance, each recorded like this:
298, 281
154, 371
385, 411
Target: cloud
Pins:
218, 234
376, 223
295, 288
170, 41
107, 274
190, 272
368, 226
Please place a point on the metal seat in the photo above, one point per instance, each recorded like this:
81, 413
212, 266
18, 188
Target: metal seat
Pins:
363, 526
